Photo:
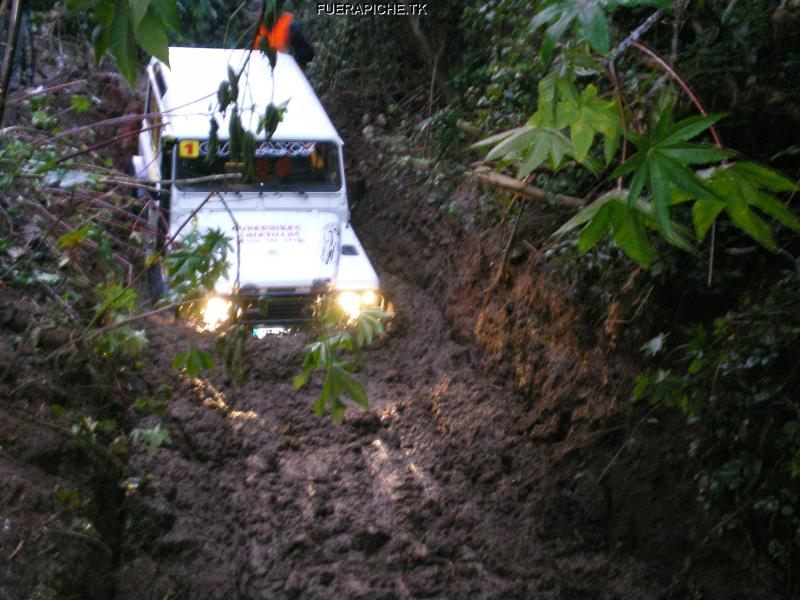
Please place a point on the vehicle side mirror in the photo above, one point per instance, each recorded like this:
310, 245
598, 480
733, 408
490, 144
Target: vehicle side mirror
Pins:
356, 190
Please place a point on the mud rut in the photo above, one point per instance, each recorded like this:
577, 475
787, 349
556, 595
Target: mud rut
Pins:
433, 493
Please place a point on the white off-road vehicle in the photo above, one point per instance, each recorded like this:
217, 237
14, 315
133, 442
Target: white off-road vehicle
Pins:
295, 243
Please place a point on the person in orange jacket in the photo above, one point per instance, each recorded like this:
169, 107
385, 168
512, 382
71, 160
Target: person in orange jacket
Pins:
286, 36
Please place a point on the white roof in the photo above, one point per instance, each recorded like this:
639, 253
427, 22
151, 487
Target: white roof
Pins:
193, 78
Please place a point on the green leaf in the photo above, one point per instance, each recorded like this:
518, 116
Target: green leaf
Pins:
661, 127
167, 10
193, 361
658, 191
691, 154
122, 44
545, 144
631, 236
739, 186
634, 163
704, 213
627, 224
765, 178
589, 212
546, 102
776, 209
685, 179
695, 366
301, 379
79, 103
595, 230
661, 165
689, 128
586, 18
152, 438
101, 35
138, 10
513, 144
369, 324
568, 91
494, 139
351, 386
587, 115
752, 225
582, 136
337, 411
319, 403
152, 37
594, 26
74, 238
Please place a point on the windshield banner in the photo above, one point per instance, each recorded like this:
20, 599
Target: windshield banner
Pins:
267, 148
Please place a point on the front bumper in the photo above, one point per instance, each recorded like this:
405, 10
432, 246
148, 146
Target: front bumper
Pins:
276, 309
289, 308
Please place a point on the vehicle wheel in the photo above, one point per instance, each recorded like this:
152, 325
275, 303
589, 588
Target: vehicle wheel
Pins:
155, 282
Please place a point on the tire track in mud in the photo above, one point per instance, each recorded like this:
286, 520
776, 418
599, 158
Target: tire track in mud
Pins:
432, 493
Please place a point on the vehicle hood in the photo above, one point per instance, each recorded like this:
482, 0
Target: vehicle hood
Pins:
278, 249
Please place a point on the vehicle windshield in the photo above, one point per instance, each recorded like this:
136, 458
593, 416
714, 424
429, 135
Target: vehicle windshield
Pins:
305, 166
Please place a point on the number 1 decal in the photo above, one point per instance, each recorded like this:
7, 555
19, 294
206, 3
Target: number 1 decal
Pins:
189, 149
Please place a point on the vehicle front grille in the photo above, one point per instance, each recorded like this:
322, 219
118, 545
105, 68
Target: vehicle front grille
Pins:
277, 309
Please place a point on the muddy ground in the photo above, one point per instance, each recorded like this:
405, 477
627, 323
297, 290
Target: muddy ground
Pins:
433, 493
500, 459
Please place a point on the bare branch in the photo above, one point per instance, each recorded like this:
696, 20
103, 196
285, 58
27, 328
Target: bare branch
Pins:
529, 192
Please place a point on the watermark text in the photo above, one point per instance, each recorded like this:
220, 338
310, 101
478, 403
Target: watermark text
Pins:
372, 8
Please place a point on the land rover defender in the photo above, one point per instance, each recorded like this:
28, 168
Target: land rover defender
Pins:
290, 218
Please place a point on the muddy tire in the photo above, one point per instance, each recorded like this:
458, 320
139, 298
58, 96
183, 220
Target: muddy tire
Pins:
156, 286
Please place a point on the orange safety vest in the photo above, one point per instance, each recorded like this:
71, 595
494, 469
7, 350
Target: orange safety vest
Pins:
278, 38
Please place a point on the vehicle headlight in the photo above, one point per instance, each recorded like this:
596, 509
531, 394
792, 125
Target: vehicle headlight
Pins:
353, 303
217, 311
368, 299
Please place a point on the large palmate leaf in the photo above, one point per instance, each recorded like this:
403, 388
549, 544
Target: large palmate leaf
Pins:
542, 140
627, 224
532, 147
586, 18
587, 115
742, 187
662, 162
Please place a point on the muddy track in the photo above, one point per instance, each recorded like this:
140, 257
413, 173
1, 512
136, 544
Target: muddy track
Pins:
430, 494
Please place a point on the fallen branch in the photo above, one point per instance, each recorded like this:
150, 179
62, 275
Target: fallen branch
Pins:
526, 191
44, 91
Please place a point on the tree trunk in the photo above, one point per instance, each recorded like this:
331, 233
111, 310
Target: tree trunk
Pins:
8, 58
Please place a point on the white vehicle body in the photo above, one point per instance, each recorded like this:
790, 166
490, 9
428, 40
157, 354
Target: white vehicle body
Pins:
295, 242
